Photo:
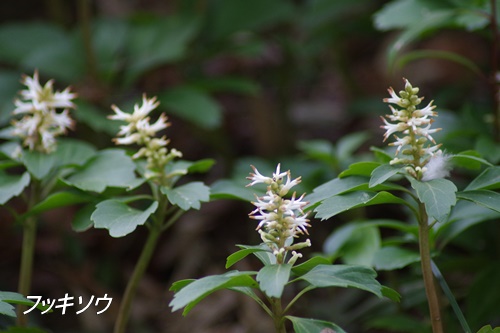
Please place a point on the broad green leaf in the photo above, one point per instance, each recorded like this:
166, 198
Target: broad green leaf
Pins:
334, 244
469, 159
360, 169
306, 266
197, 290
229, 189
464, 215
38, 164
241, 254
344, 276
273, 278
201, 166
344, 202
399, 14
119, 218
188, 196
334, 187
7, 298
485, 198
438, 195
108, 168
82, 220
12, 185
59, 199
192, 105
489, 179
72, 152
391, 257
178, 285
303, 325
157, 41
382, 173
361, 245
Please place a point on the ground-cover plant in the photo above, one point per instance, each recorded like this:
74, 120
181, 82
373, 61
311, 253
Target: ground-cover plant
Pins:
430, 198
281, 221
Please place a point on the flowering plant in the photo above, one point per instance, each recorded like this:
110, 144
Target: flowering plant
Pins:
282, 220
434, 201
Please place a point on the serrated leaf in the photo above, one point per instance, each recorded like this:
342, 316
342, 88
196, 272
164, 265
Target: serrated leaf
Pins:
489, 329
7, 298
303, 325
273, 278
345, 276
241, 254
344, 202
485, 198
108, 168
188, 196
12, 185
194, 292
119, 218
438, 195
391, 257
382, 173
229, 189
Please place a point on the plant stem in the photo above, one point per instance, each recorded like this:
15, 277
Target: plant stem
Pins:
425, 260
133, 283
27, 252
279, 322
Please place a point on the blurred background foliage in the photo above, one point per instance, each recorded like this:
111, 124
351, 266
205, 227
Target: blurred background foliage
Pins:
256, 82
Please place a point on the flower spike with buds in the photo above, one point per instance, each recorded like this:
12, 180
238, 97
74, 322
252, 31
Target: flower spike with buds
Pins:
424, 162
141, 132
281, 219
41, 123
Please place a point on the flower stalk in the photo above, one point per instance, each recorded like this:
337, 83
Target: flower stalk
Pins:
423, 162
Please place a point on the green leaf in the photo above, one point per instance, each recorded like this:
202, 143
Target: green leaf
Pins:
273, 278
201, 166
489, 329
344, 202
108, 168
485, 198
119, 218
229, 189
7, 298
263, 253
469, 159
157, 41
361, 245
345, 276
38, 164
360, 169
309, 264
398, 14
11, 186
197, 290
489, 179
192, 105
241, 254
188, 196
438, 195
391, 257
82, 220
382, 173
303, 325
59, 199
72, 153
334, 187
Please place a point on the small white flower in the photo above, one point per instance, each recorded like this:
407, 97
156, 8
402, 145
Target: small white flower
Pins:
257, 178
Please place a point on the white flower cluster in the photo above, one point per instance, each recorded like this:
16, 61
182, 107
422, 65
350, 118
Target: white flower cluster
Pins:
139, 131
41, 123
415, 125
280, 219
